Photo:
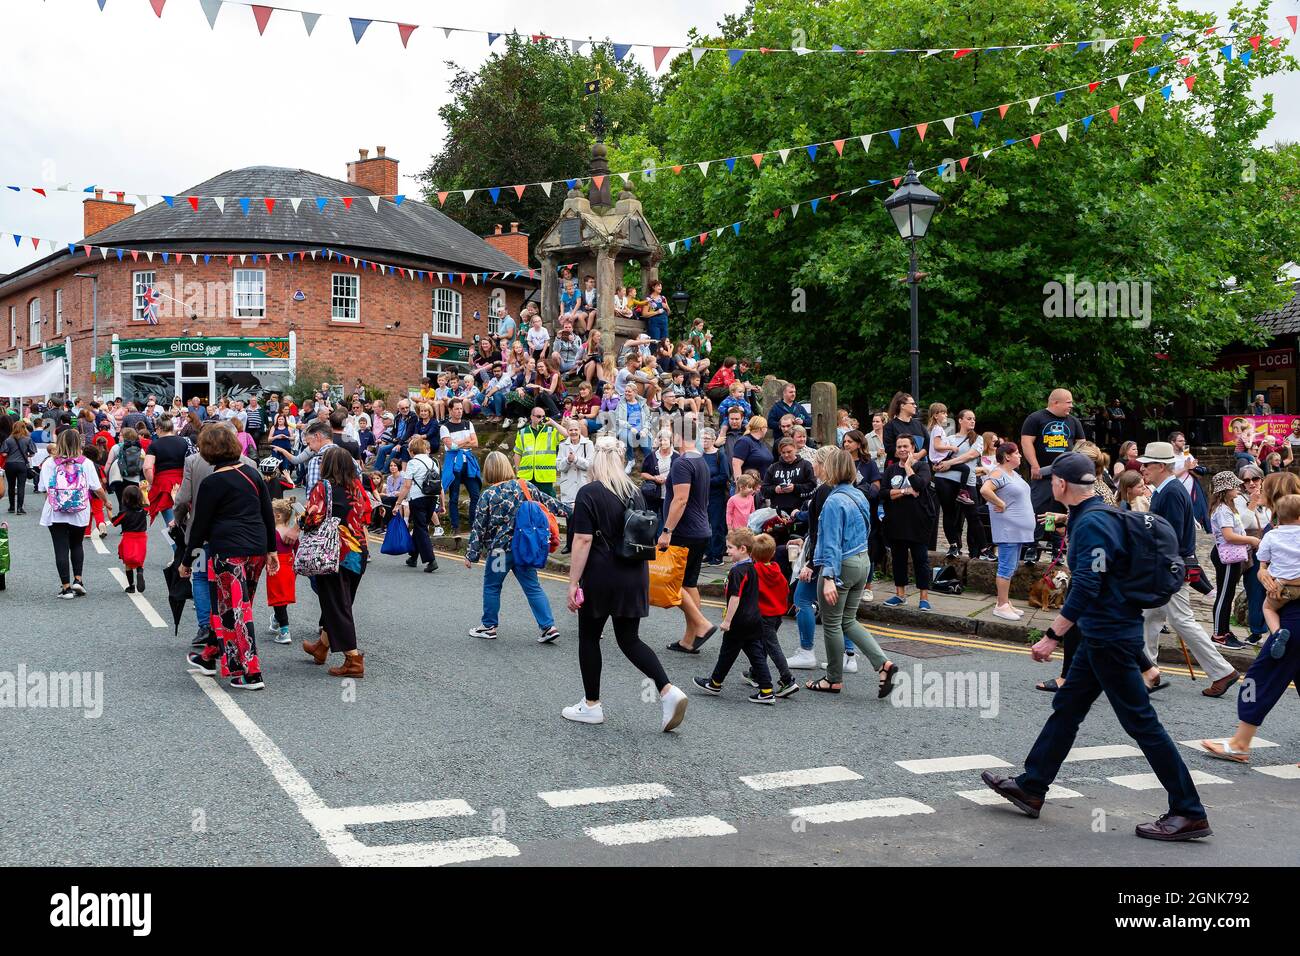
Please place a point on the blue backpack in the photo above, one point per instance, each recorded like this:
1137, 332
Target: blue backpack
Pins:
530, 543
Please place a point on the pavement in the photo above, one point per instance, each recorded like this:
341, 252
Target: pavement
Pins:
452, 750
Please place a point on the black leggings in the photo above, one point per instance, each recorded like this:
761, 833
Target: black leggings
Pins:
590, 628
1070, 644
281, 611
920, 563
421, 510
68, 542
955, 514
1226, 579
16, 479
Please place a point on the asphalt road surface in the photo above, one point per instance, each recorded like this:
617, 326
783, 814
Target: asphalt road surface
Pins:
452, 750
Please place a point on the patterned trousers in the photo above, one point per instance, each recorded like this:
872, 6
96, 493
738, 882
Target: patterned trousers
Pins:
233, 584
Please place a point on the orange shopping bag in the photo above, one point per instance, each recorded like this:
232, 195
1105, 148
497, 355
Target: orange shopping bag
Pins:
666, 573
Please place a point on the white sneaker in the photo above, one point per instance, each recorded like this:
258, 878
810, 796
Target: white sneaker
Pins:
438, 532
850, 663
281, 636
1214, 593
674, 706
486, 633
1006, 612
582, 714
802, 660
868, 594
522, 423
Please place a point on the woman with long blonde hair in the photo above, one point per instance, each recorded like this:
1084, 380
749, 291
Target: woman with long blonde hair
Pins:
603, 585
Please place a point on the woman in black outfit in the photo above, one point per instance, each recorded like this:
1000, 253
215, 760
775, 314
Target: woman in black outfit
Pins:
232, 513
906, 485
603, 585
903, 421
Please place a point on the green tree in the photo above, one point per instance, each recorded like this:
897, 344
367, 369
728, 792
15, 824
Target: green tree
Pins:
1177, 197
522, 117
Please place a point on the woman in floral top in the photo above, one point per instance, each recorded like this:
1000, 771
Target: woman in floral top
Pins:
494, 524
339, 493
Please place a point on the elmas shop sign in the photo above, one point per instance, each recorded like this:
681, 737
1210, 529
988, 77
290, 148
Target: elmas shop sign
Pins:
138, 349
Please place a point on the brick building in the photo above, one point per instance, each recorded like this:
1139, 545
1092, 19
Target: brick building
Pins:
232, 323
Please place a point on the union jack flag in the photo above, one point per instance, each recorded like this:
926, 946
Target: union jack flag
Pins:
151, 299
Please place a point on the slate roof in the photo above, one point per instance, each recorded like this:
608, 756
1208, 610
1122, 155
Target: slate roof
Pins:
412, 229
1283, 321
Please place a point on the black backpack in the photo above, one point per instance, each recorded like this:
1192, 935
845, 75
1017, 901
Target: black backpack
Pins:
1151, 571
431, 483
639, 526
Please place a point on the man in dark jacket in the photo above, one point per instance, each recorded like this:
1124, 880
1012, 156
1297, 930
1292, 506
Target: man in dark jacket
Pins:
1106, 662
1172, 502
787, 406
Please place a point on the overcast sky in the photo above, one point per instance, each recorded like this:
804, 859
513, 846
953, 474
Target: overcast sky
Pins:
125, 101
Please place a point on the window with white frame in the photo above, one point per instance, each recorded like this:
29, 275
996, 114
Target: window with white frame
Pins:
446, 313
250, 294
34, 322
345, 298
58, 311
496, 309
141, 282
13, 327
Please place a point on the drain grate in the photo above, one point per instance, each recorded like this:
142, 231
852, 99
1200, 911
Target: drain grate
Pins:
920, 649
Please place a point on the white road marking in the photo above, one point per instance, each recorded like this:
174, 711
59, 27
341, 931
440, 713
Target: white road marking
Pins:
1286, 771
987, 798
98, 543
390, 812
860, 810
648, 831
1254, 744
346, 848
952, 764
799, 778
1101, 753
142, 605
1149, 781
586, 796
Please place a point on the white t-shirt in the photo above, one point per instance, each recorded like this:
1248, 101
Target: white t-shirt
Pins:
1281, 549
937, 456
460, 435
417, 469
963, 446
538, 337
1180, 462
79, 518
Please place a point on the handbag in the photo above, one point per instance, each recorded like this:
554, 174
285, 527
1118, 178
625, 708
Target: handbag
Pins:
397, 539
319, 549
1232, 553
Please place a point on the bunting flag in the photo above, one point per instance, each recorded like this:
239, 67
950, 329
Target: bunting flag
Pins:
659, 52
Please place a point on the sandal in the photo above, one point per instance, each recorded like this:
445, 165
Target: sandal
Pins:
822, 685
1050, 685
676, 646
1224, 751
887, 685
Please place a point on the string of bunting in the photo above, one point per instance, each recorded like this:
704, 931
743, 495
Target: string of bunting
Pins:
262, 14
1167, 91
247, 203
253, 258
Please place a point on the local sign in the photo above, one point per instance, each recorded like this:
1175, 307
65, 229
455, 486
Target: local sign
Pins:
203, 348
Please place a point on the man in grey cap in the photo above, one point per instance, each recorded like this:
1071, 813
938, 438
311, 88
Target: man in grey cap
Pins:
1106, 662
1171, 501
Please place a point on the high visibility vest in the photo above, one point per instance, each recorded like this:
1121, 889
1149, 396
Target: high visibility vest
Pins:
536, 452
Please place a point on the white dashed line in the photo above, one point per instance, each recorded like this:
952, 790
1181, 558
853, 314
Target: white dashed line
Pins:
648, 831
98, 543
1286, 771
431, 854
799, 778
1149, 781
391, 812
142, 605
952, 764
1101, 753
587, 796
1254, 744
987, 798
860, 810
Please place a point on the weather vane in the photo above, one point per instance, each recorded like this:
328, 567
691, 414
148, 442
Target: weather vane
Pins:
593, 88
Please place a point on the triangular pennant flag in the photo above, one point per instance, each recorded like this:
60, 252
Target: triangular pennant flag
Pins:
1227, 51
442, 197
813, 203
1114, 113
696, 53
494, 192
546, 188
949, 122
920, 130
135, 256
572, 184
321, 203
262, 16
672, 247
359, 27
894, 135
659, 53
404, 30
1002, 110
245, 204
1083, 45
374, 202
704, 167
1122, 79
718, 231
150, 255
309, 21
1087, 122
1033, 103
958, 54
194, 202
36, 244
1141, 103
158, 6
1245, 57
467, 193
295, 202
757, 158
1152, 71
839, 146
703, 237
620, 51
784, 154
519, 191
1092, 87
1275, 42
942, 167
686, 244
812, 152
963, 161
221, 204
866, 142
731, 164
735, 227
492, 38
1064, 132
776, 213
1137, 42
1189, 80
1059, 95
1034, 139
897, 180
733, 56
975, 118
86, 250
575, 46
270, 204
347, 202
1293, 21
1107, 44
210, 10
794, 210
1254, 41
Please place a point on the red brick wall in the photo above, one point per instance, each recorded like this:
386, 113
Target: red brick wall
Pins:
388, 358
98, 214
513, 243
378, 174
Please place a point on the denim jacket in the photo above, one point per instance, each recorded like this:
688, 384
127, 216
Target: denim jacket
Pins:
841, 529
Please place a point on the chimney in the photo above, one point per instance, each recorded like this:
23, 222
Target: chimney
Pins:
513, 243
378, 174
100, 213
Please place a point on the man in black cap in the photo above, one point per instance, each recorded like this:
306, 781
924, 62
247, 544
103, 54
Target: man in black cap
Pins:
1106, 661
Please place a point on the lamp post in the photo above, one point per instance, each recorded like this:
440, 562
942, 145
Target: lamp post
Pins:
681, 298
94, 330
912, 206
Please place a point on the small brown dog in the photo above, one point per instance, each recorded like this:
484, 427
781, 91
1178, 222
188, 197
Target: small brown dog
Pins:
1048, 593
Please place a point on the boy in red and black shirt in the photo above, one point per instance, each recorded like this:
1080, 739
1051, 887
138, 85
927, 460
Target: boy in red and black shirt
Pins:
773, 602
742, 622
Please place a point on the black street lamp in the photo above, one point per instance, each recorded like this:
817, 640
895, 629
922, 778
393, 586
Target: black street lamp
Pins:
912, 206
681, 300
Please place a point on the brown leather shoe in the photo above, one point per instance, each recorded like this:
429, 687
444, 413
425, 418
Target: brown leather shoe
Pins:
354, 665
1008, 789
319, 649
1220, 686
1173, 829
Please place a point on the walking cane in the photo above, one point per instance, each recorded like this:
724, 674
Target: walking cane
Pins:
1187, 657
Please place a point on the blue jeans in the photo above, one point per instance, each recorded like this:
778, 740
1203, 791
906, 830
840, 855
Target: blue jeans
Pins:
1110, 666
202, 594
497, 564
473, 486
805, 603
168, 516
657, 327
496, 405
1254, 600
381, 457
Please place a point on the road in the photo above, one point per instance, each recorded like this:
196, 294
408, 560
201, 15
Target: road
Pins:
452, 750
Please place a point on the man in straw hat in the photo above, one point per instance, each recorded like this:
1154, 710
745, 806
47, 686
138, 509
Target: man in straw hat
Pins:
1171, 501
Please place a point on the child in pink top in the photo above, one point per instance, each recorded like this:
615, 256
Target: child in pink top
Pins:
741, 505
